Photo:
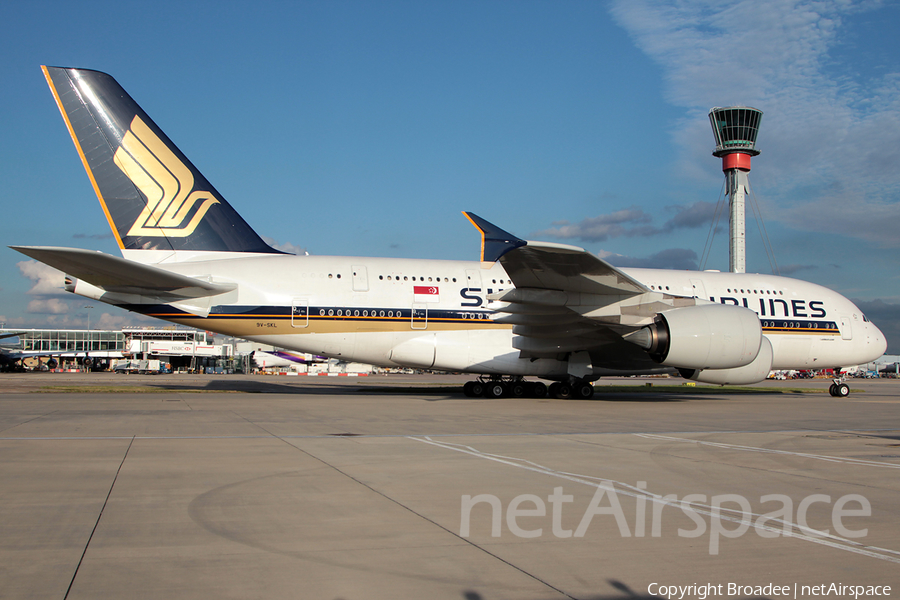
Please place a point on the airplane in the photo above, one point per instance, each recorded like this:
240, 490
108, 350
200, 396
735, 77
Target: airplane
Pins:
526, 309
12, 356
280, 358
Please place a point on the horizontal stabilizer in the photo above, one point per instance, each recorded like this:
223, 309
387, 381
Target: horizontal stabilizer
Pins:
121, 276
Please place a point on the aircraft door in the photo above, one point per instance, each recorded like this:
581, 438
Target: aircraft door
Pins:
300, 312
472, 292
699, 290
419, 316
846, 329
360, 279
473, 279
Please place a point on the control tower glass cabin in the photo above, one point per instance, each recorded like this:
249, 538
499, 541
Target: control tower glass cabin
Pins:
735, 129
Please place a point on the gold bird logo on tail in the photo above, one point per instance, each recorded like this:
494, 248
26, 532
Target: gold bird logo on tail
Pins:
167, 184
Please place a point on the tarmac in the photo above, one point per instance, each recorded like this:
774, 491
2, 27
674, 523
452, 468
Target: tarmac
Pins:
208, 486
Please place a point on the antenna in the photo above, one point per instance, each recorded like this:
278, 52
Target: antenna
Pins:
735, 128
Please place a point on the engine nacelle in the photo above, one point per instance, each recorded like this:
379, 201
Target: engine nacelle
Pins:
83, 288
708, 336
755, 372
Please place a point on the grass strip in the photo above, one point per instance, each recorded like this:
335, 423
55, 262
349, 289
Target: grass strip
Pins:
112, 389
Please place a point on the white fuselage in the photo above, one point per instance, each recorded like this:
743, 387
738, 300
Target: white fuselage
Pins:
435, 313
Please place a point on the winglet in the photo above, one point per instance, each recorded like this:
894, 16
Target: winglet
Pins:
494, 241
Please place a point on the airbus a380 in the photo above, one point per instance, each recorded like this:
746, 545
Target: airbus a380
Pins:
540, 309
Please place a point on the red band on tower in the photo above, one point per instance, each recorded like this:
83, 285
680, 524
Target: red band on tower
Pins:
736, 160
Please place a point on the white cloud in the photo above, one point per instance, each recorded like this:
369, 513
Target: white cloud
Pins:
820, 135
77, 318
113, 322
47, 280
53, 306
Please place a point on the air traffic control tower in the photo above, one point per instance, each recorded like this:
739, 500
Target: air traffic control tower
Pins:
735, 129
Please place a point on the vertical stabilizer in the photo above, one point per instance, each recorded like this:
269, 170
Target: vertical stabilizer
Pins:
153, 197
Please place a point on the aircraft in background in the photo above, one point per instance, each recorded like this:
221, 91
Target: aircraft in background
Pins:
280, 358
11, 357
541, 309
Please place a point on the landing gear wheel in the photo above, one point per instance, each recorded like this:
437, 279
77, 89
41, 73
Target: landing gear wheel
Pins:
494, 389
513, 386
564, 391
839, 389
584, 390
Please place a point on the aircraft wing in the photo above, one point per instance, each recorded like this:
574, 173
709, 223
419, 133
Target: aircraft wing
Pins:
568, 300
545, 265
121, 276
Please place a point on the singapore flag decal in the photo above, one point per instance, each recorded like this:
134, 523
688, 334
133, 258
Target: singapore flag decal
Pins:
426, 293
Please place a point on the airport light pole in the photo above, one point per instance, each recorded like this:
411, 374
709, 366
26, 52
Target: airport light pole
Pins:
735, 129
88, 343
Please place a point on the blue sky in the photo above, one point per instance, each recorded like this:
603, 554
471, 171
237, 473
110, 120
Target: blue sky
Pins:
364, 128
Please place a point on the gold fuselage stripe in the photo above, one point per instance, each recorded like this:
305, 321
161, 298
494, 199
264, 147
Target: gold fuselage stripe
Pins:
281, 324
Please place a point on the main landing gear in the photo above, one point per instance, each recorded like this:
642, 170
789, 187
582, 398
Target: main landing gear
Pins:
499, 387
579, 389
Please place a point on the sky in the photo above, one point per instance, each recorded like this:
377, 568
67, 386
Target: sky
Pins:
365, 128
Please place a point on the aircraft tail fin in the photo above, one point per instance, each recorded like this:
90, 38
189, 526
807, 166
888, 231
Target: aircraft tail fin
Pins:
153, 197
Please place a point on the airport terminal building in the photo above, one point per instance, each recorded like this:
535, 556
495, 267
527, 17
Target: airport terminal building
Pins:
175, 349
167, 349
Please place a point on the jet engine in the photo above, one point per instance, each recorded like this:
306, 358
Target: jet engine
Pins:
755, 372
707, 336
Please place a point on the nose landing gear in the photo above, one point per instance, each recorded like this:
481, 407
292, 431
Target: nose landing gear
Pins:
839, 389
